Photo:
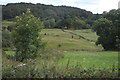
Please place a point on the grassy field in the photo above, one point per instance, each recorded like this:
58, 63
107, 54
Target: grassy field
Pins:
103, 59
87, 33
77, 50
7, 23
70, 49
56, 37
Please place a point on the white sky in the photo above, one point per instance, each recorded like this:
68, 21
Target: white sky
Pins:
95, 6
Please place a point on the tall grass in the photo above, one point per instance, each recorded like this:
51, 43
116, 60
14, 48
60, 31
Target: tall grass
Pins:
46, 66
54, 71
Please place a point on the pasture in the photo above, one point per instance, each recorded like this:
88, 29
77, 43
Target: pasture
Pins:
66, 50
103, 59
69, 42
76, 50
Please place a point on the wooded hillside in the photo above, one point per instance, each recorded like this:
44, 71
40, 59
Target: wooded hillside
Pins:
53, 16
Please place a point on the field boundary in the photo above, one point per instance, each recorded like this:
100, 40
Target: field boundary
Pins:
78, 36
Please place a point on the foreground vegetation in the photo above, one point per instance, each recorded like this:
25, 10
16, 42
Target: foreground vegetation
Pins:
54, 64
101, 59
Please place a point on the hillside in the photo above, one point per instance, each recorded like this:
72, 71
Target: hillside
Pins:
57, 39
43, 11
65, 54
52, 16
63, 40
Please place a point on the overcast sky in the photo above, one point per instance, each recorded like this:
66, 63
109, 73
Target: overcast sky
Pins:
95, 6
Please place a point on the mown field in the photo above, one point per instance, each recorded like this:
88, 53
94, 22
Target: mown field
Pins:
56, 37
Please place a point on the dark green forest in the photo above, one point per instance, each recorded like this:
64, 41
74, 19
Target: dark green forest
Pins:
53, 16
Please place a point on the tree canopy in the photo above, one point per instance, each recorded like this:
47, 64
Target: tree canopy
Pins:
52, 16
108, 30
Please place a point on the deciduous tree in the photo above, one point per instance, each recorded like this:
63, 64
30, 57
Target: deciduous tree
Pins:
26, 36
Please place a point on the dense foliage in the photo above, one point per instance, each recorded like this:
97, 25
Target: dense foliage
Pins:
6, 35
49, 69
6, 39
108, 30
52, 16
26, 36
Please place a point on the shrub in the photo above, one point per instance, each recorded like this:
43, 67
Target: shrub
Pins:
53, 71
59, 45
6, 39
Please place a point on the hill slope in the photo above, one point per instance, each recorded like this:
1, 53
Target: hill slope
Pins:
43, 11
57, 39
51, 15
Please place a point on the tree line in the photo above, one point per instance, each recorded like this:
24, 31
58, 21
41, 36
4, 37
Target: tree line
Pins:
53, 16
108, 30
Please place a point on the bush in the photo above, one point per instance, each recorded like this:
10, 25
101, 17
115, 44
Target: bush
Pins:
6, 39
59, 45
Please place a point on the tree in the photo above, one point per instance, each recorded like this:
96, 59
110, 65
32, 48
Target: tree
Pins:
50, 23
26, 36
51, 15
108, 30
79, 24
73, 23
6, 39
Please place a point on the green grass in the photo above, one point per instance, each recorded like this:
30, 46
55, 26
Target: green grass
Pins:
87, 33
77, 51
10, 53
55, 37
72, 52
103, 59
48, 65
7, 23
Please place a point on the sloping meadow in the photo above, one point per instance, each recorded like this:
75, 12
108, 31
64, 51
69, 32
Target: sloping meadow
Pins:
65, 56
